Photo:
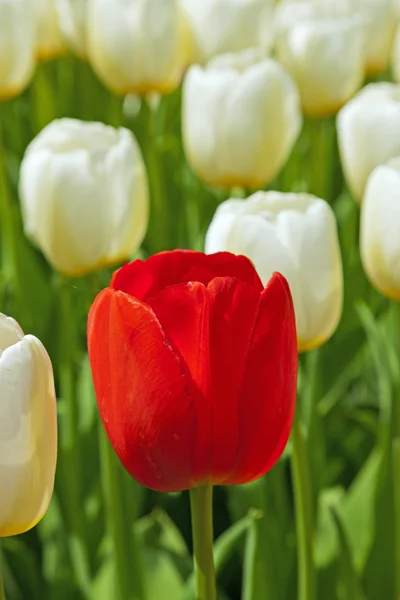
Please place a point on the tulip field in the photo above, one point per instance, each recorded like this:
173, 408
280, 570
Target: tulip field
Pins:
199, 300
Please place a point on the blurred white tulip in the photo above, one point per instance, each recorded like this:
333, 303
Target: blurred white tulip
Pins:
49, 42
369, 132
241, 117
72, 20
221, 26
17, 46
296, 235
138, 46
28, 429
380, 229
84, 196
380, 24
323, 47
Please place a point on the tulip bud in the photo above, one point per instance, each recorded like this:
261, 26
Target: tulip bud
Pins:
138, 46
17, 46
28, 429
241, 118
84, 195
72, 20
221, 26
369, 132
323, 47
49, 42
194, 365
379, 18
296, 235
380, 226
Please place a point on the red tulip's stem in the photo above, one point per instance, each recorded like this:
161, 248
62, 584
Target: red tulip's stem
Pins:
203, 549
2, 593
304, 513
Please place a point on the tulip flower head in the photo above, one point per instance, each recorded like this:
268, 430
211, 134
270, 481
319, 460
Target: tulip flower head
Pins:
323, 47
296, 235
380, 226
17, 46
241, 118
223, 26
49, 42
138, 46
194, 365
369, 133
84, 196
28, 429
72, 20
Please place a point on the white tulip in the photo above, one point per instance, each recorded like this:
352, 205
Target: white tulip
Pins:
323, 48
296, 235
49, 42
241, 117
17, 46
369, 132
28, 429
138, 46
84, 195
379, 16
380, 229
221, 26
72, 20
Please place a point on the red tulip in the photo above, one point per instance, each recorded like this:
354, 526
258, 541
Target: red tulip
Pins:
194, 366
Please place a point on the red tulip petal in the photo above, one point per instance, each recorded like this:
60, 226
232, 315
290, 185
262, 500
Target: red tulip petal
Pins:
233, 307
144, 279
183, 311
210, 328
142, 392
268, 391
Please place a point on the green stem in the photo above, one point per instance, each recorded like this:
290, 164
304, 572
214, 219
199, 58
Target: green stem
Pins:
129, 568
303, 512
70, 442
158, 225
395, 422
2, 592
202, 529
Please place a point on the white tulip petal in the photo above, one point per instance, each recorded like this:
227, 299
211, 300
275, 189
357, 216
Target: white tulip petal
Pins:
28, 432
84, 195
72, 20
294, 234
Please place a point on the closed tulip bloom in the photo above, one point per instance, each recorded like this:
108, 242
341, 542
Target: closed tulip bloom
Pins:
28, 429
380, 226
138, 46
380, 22
194, 365
241, 118
323, 48
49, 42
17, 46
83, 190
296, 235
369, 132
72, 20
221, 26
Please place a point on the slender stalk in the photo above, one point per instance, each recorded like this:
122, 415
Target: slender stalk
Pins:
2, 592
202, 529
70, 441
129, 568
303, 512
395, 421
158, 225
